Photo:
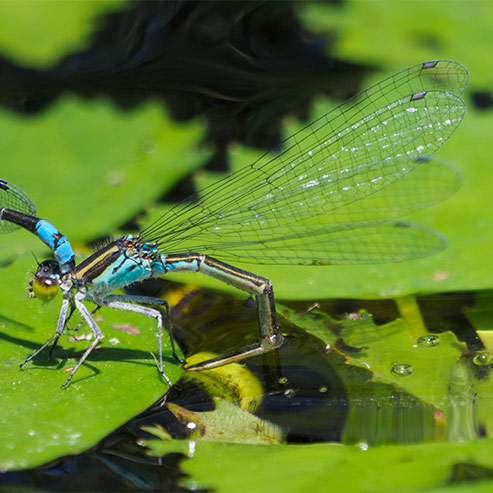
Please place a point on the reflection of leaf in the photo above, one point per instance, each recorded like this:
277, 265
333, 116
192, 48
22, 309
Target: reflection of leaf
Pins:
379, 347
227, 423
233, 382
39, 420
481, 316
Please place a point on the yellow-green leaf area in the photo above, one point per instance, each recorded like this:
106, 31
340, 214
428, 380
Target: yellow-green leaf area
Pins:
90, 167
40, 32
227, 423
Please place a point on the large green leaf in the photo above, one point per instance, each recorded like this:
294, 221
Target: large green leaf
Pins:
329, 467
101, 159
40, 420
90, 167
50, 29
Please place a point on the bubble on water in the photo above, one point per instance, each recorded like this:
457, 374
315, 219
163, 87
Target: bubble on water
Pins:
289, 393
483, 358
322, 390
401, 370
429, 340
283, 380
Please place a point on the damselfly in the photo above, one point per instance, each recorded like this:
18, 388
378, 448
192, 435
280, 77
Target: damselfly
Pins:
328, 196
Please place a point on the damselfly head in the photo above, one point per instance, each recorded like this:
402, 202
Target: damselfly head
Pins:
45, 283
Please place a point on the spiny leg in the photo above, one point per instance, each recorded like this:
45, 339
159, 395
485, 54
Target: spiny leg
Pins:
55, 342
125, 302
148, 300
98, 335
67, 319
62, 319
82, 322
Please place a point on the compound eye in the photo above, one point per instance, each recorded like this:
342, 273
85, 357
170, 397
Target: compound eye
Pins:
45, 288
44, 284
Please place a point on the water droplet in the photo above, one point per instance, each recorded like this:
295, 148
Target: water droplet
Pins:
322, 390
283, 380
191, 448
483, 358
429, 340
148, 145
289, 393
401, 369
114, 178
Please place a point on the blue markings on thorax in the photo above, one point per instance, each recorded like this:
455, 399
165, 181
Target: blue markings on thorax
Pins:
57, 242
126, 270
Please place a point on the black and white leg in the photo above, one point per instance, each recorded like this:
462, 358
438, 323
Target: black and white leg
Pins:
133, 303
98, 335
270, 336
62, 319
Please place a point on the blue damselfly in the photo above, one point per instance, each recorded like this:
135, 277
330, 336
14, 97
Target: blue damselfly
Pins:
330, 195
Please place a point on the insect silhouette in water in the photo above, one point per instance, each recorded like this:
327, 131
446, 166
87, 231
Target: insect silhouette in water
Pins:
330, 195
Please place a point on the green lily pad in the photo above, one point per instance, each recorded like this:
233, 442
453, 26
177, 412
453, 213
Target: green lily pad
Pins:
402, 353
95, 167
40, 420
327, 467
115, 169
50, 29
418, 33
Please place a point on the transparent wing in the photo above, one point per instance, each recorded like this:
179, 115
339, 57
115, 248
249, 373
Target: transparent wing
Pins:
370, 245
351, 234
310, 193
12, 197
